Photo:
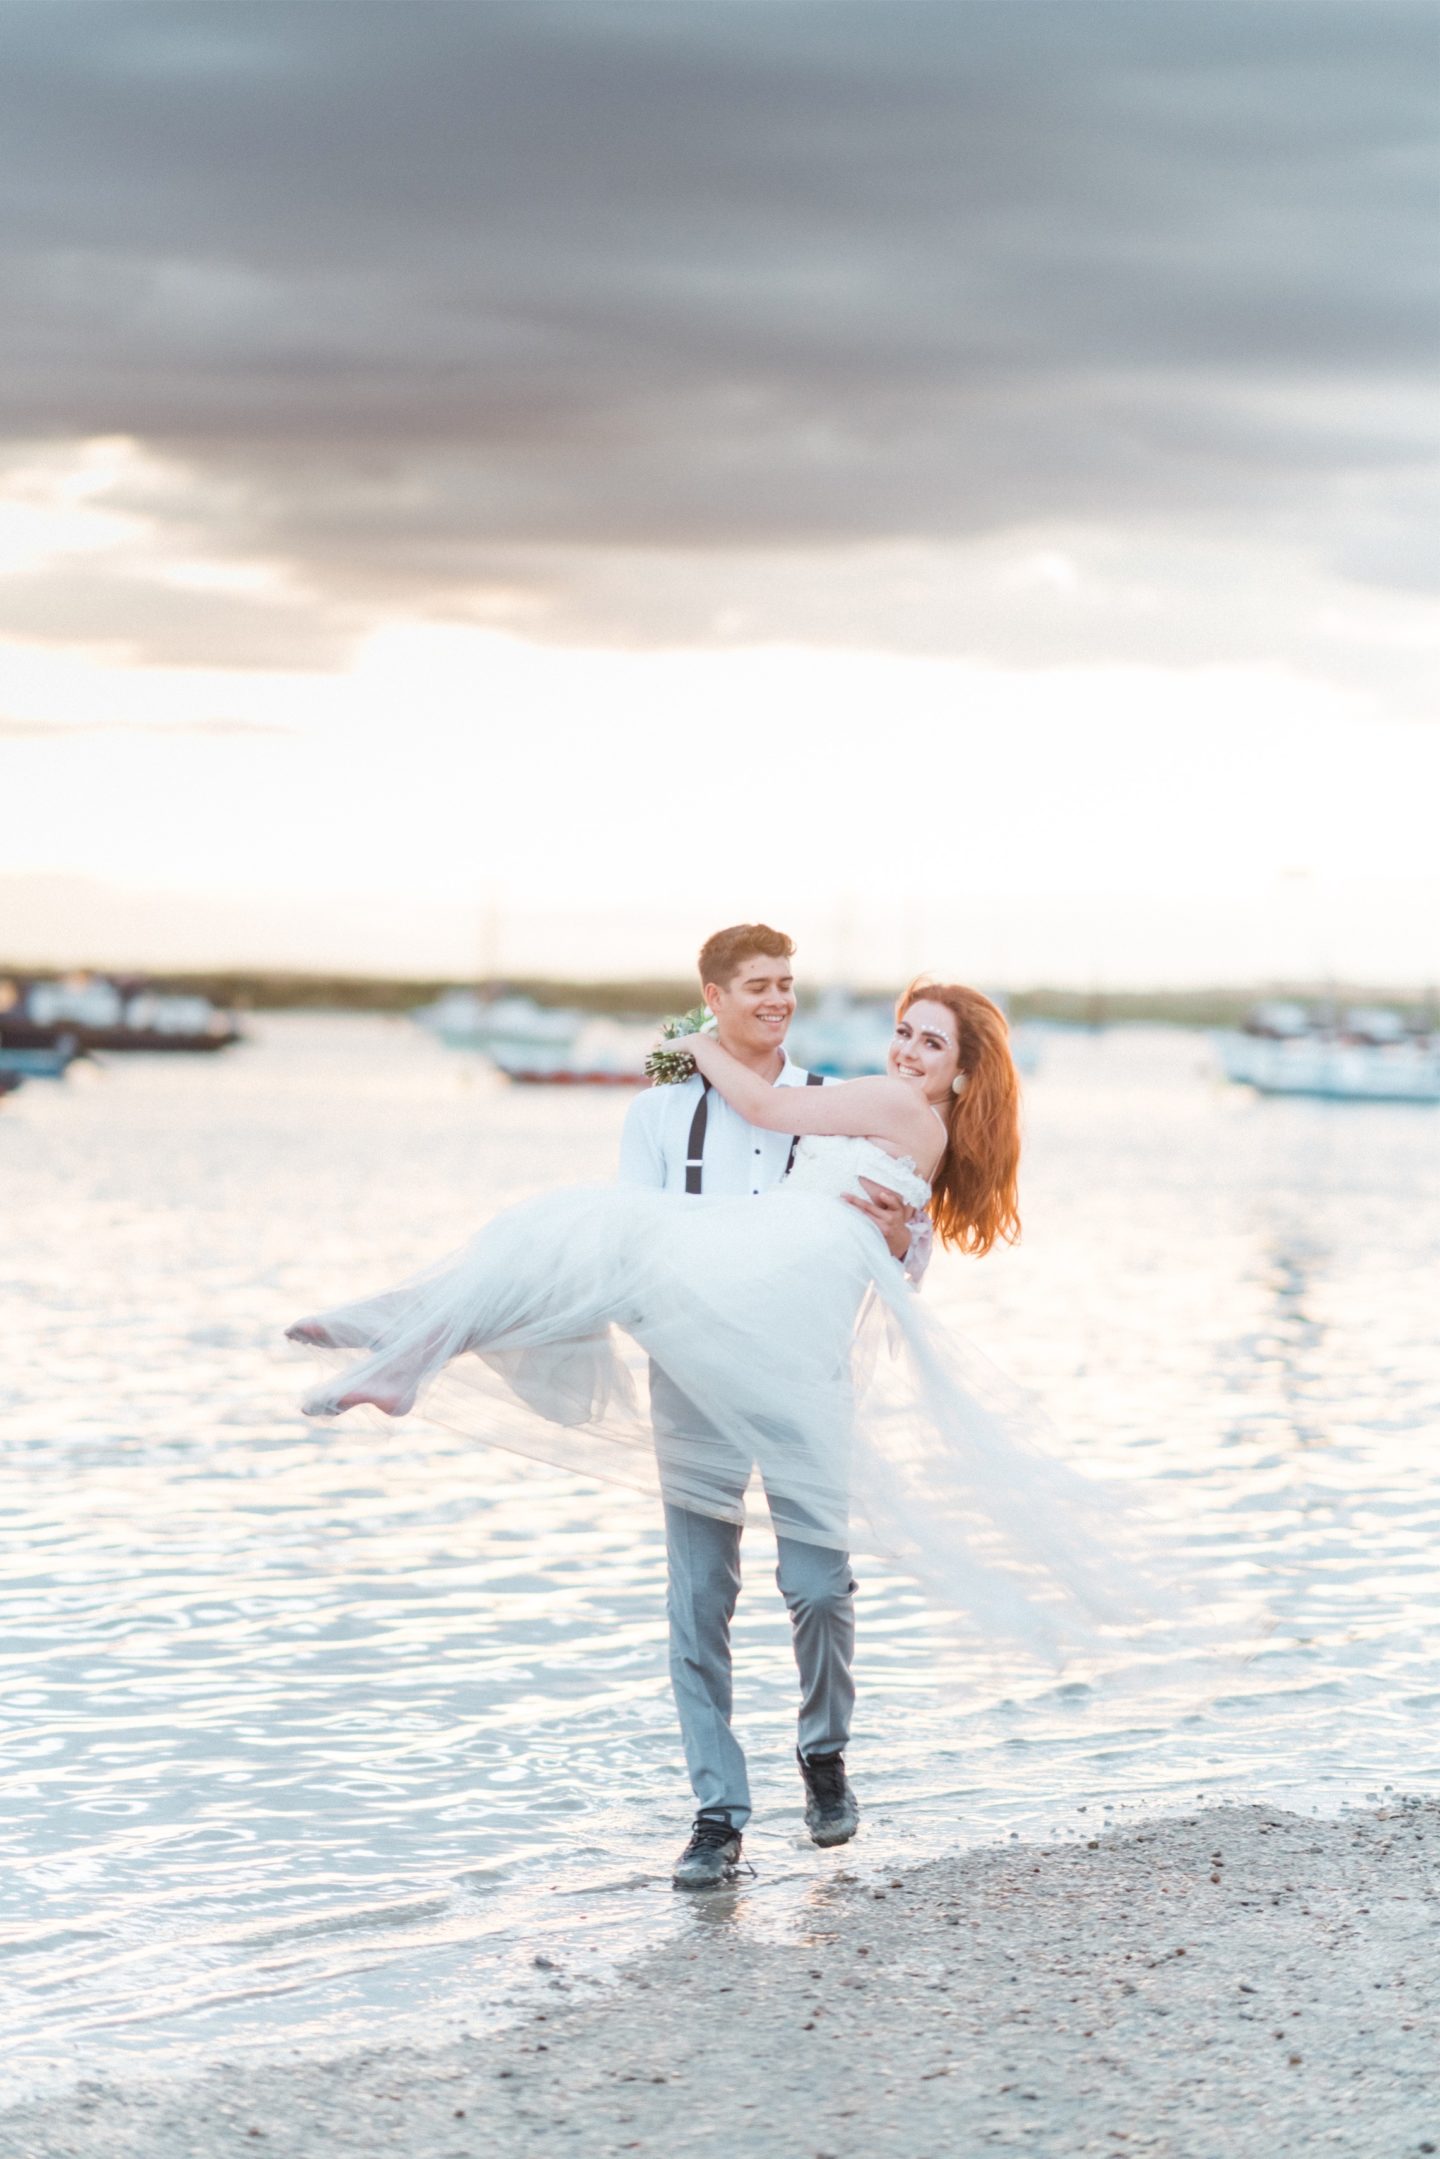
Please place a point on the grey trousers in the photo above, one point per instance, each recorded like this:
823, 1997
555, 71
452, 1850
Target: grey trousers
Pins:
703, 1556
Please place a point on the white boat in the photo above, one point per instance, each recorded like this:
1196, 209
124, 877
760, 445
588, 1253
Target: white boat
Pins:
602, 1053
463, 1019
95, 1012
1367, 1054
78, 1000
541, 1045
843, 1037
847, 1037
1025, 1047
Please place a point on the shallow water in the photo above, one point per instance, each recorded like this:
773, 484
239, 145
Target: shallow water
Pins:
314, 1734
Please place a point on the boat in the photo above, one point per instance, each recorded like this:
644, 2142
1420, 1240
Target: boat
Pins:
103, 1012
540, 1045
601, 1053
842, 1036
40, 1063
1366, 1053
1025, 1047
847, 1037
470, 1020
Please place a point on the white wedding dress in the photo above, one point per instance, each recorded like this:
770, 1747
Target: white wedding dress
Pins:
810, 1362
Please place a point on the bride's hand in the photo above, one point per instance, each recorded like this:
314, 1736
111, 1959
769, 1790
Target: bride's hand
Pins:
684, 1045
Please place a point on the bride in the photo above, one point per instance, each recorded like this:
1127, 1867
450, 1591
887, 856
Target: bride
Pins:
785, 1320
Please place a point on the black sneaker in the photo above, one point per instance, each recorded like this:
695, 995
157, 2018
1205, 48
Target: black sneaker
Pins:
712, 1857
832, 1812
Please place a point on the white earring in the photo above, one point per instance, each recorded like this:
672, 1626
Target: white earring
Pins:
957, 1085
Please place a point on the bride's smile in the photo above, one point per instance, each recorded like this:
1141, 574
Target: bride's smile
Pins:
924, 1048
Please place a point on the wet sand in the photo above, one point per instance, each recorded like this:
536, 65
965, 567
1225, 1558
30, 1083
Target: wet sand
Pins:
1232, 1983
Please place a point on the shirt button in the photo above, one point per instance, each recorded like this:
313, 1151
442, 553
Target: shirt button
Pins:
757, 1150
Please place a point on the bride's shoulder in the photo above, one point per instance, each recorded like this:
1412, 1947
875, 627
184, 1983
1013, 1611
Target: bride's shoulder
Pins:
918, 1116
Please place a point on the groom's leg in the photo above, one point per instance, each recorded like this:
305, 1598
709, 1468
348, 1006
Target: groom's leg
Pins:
704, 1581
819, 1589
703, 1561
806, 1485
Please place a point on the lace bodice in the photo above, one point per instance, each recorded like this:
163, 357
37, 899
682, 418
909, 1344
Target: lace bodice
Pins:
832, 1165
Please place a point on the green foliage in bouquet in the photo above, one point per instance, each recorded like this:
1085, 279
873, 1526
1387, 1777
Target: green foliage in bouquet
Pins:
668, 1067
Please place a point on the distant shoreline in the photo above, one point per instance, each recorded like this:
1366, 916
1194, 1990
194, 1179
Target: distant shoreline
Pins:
274, 990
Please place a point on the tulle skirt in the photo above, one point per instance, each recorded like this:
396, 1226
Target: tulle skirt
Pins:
699, 1348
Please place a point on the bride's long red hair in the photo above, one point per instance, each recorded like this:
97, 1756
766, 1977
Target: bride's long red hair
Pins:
975, 1200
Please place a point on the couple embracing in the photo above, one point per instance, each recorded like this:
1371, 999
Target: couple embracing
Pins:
742, 1303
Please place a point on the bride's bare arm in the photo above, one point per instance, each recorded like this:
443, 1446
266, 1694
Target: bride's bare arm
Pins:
884, 1109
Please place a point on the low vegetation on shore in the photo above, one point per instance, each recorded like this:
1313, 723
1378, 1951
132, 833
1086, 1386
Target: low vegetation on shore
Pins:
264, 990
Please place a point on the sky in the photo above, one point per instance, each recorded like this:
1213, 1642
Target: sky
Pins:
517, 486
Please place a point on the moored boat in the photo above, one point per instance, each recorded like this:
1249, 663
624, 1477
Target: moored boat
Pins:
1365, 1054
600, 1053
39, 1063
469, 1020
101, 1012
848, 1037
569, 1076
540, 1045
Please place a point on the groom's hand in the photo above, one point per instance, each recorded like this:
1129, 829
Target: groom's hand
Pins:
888, 1212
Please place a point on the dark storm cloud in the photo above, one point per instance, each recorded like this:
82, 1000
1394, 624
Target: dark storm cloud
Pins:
482, 306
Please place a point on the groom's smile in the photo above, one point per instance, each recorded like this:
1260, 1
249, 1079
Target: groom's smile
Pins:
755, 1007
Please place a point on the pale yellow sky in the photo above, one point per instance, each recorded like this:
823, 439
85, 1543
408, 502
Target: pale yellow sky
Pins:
608, 807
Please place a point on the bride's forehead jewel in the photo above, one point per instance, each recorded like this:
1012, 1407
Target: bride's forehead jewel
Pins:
939, 1032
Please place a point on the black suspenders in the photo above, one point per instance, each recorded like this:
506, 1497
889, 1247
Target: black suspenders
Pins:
812, 1079
695, 1145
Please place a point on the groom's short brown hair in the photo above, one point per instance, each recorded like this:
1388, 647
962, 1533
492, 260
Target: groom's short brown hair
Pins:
720, 955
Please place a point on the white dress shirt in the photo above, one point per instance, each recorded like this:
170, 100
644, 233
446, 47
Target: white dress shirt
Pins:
739, 1157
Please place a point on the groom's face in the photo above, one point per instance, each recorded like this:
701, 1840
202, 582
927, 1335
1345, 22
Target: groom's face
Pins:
757, 1004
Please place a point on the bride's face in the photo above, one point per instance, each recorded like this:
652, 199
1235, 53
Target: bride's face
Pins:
924, 1048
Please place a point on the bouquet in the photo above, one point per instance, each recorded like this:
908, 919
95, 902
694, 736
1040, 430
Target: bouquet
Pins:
668, 1067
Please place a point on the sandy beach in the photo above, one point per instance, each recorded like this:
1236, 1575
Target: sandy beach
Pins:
1238, 1981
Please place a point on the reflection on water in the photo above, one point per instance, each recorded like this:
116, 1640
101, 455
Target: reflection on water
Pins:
309, 1729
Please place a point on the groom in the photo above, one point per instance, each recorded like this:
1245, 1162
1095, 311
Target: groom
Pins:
686, 1138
